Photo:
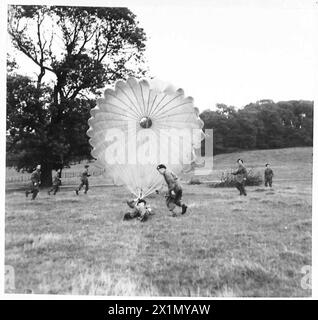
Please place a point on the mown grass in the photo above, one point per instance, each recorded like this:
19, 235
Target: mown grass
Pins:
226, 245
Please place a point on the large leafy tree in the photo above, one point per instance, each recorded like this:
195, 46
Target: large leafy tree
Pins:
82, 49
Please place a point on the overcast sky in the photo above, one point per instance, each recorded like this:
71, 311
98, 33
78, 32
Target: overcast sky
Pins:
231, 52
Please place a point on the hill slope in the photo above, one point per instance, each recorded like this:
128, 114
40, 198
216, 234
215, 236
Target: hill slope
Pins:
288, 163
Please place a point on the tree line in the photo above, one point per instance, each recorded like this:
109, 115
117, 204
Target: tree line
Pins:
264, 124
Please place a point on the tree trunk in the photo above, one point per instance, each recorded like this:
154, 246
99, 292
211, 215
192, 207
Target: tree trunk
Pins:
46, 175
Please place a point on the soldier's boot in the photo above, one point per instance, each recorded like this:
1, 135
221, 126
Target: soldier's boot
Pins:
26, 193
238, 187
184, 209
127, 216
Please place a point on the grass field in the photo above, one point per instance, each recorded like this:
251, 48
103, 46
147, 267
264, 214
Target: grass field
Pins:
225, 245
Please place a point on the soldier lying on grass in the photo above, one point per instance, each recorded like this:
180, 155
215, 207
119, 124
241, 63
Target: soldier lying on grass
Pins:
140, 210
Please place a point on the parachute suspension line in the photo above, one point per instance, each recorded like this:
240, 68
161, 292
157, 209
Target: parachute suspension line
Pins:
138, 112
148, 100
153, 102
157, 106
167, 103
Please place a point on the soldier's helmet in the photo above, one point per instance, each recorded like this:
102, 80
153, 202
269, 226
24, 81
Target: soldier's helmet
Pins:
127, 216
161, 166
142, 201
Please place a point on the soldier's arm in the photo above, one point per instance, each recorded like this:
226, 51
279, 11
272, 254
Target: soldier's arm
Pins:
170, 189
33, 177
175, 177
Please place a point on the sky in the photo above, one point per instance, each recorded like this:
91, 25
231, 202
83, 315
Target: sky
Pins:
232, 52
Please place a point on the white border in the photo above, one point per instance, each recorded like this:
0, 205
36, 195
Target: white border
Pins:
301, 4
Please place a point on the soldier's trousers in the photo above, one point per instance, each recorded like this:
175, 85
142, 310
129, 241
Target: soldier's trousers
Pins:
174, 200
83, 183
268, 181
241, 187
55, 189
34, 189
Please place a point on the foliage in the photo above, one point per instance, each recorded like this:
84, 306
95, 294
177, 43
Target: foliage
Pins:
260, 125
33, 137
227, 179
194, 181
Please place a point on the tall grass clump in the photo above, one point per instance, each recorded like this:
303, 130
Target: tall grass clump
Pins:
194, 180
228, 180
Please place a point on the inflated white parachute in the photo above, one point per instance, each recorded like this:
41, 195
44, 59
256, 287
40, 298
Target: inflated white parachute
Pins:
140, 124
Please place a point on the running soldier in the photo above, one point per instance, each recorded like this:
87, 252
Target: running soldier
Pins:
84, 180
268, 175
56, 183
174, 195
35, 183
241, 176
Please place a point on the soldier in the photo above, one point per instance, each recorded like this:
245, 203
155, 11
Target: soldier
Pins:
241, 175
35, 183
140, 210
174, 195
268, 175
84, 180
56, 183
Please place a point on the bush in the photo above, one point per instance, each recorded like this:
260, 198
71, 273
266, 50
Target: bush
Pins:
229, 180
194, 180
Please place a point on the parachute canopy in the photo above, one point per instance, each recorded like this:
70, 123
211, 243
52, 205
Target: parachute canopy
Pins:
140, 124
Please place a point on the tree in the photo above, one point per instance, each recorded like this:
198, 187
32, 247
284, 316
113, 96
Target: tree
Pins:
84, 49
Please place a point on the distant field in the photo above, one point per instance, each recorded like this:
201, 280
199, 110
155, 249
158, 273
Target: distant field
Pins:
225, 246
299, 167
289, 163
